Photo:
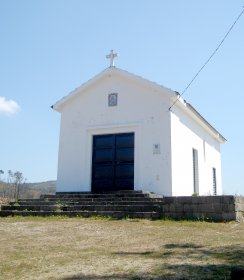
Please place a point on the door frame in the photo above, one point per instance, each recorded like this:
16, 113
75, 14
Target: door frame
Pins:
114, 162
100, 130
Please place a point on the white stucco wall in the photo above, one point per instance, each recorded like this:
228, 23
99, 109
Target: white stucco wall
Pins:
140, 110
187, 135
143, 108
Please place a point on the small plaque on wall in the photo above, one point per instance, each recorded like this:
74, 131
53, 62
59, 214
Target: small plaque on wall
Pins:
113, 99
156, 149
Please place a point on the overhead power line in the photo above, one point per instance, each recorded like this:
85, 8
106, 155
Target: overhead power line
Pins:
210, 57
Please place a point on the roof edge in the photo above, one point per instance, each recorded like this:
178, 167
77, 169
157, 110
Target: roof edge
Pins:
174, 94
58, 105
190, 109
220, 136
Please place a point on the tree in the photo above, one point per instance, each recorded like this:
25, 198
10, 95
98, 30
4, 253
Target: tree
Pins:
2, 187
18, 181
11, 187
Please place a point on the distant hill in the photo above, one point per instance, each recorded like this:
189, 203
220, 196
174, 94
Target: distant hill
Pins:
43, 186
28, 190
34, 190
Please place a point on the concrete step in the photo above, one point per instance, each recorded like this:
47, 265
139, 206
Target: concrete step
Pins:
96, 195
133, 204
34, 202
30, 207
112, 214
59, 207
125, 192
86, 202
81, 200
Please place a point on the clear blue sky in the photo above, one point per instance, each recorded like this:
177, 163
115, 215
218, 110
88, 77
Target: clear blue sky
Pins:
48, 48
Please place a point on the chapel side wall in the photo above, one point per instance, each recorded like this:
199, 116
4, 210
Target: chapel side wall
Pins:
140, 110
187, 135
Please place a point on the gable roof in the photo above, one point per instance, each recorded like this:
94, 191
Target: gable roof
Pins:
190, 110
107, 73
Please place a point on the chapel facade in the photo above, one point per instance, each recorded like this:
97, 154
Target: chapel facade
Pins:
118, 132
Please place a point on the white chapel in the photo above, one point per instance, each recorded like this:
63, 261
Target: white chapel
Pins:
118, 132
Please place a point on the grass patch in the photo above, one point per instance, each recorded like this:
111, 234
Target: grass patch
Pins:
58, 247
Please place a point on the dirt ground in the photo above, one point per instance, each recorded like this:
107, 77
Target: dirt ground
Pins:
75, 248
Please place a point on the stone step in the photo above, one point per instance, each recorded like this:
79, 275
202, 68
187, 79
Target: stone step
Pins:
57, 207
29, 207
96, 195
86, 202
34, 202
81, 200
102, 192
133, 204
112, 214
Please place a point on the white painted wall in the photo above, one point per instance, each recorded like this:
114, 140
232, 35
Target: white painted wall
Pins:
140, 110
186, 134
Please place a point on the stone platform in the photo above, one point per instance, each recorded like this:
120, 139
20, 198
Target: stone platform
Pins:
129, 204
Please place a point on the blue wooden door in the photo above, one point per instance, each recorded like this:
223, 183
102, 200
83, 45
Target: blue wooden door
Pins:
113, 162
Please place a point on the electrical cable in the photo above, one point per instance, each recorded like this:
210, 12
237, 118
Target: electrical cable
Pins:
211, 56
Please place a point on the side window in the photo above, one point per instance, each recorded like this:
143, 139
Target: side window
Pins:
214, 182
195, 171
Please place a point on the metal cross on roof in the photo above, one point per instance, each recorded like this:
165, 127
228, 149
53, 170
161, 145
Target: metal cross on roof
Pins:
112, 56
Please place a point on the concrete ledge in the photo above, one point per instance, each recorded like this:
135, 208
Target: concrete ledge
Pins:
216, 208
